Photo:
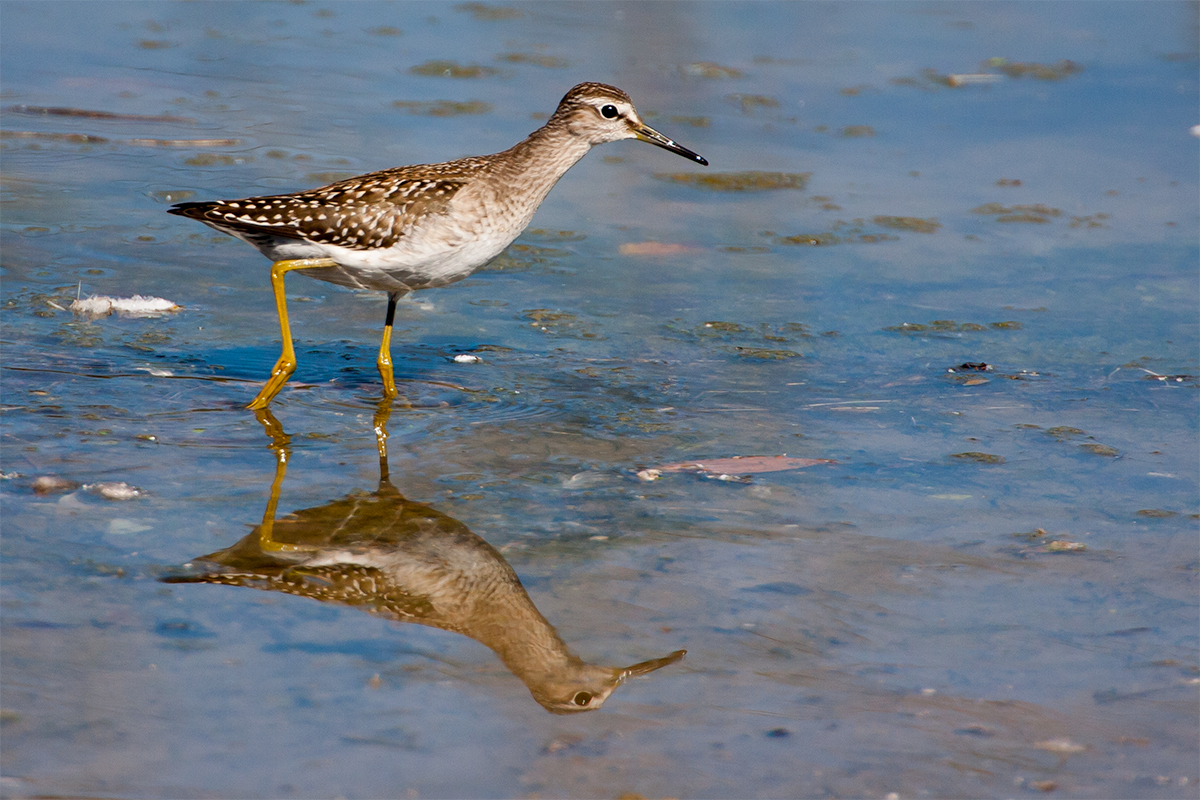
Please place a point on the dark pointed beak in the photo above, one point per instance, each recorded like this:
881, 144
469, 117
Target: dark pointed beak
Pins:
648, 134
652, 664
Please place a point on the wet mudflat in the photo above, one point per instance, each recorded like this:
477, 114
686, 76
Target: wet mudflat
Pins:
944, 258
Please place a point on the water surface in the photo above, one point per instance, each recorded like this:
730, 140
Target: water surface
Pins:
991, 592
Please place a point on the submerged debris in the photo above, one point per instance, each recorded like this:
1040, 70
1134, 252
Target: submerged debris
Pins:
52, 484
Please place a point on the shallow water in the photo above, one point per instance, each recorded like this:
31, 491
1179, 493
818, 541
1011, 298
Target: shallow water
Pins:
991, 592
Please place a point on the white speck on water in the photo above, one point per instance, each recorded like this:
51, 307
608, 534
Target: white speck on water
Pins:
124, 527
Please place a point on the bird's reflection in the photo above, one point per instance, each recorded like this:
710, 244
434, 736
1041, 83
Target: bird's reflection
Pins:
408, 562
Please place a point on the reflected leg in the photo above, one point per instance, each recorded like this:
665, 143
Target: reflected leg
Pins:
280, 442
382, 412
286, 364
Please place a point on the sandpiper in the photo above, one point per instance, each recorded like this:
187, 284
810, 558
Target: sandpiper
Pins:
422, 226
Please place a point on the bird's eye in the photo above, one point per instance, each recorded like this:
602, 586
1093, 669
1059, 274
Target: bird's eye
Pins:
609, 112
583, 698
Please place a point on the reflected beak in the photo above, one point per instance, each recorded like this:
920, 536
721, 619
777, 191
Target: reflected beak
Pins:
648, 134
654, 663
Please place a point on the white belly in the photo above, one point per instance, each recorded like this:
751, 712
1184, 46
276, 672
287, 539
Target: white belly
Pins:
430, 255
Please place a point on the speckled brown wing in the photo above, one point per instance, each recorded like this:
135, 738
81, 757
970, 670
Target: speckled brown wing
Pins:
341, 584
370, 211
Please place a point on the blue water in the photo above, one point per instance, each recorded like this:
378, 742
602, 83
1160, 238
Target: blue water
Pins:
992, 592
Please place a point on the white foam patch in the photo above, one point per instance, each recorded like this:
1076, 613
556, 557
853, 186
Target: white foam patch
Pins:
136, 306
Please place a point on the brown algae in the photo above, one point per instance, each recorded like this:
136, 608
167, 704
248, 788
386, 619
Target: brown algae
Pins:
978, 458
752, 181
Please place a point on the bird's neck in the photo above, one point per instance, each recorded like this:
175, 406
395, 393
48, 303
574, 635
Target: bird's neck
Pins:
536, 163
512, 627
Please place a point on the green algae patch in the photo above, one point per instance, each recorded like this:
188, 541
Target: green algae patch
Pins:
483, 11
1156, 513
1063, 546
725, 327
1101, 450
909, 223
1030, 69
1090, 221
738, 181
708, 69
1064, 432
521, 257
559, 323
443, 108
978, 458
857, 131
811, 239
549, 62
547, 235
764, 354
215, 160
952, 326
451, 69
749, 103
1036, 213
1032, 218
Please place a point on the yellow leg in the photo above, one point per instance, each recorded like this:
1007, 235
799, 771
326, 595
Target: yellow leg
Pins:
279, 445
384, 362
286, 364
